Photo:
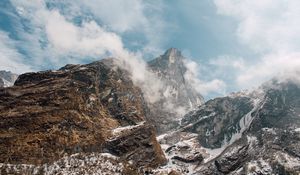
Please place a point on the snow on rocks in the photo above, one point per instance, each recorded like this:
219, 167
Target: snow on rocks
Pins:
260, 166
183, 152
287, 161
94, 163
297, 130
122, 130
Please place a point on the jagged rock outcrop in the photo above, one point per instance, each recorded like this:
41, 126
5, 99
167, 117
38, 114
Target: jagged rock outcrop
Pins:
178, 96
7, 78
76, 110
133, 145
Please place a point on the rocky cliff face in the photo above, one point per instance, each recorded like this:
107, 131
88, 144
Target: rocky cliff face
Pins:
244, 133
218, 120
76, 114
178, 96
7, 78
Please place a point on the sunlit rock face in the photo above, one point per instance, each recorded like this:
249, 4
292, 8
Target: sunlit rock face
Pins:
177, 94
7, 78
79, 109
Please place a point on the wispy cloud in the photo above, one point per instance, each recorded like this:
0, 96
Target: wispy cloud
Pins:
10, 58
203, 87
59, 32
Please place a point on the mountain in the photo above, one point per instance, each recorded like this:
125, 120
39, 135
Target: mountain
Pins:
93, 119
245, 133
79, 119
178, 96
7, 78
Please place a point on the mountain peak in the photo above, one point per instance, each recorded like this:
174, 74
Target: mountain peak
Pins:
172, 54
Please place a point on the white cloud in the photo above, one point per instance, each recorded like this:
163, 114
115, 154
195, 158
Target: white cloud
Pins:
203, 87
228, 61
138, 17
279, 65
65, 39
87, 40
266, 25
10, 59
271, 28
119, 15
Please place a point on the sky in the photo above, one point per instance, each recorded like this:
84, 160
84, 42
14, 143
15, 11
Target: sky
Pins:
231, 44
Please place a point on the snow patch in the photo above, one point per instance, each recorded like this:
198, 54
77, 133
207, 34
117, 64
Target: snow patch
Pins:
297, 130
270, 130
120, 130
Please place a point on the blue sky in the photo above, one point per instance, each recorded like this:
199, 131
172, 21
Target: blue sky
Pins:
231, 44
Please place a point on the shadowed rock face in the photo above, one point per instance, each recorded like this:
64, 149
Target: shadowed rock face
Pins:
1, 83
178, 96
271, 142
51, 114
217, 120
281, 107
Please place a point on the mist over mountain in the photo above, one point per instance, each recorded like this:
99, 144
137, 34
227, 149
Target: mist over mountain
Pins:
153, 87
178, 95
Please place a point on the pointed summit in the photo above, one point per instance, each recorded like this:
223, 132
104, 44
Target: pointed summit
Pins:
177, 93
172, 55
171, 59
173, 52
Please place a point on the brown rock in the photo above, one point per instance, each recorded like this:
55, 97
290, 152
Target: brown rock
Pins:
47, 115
138, 146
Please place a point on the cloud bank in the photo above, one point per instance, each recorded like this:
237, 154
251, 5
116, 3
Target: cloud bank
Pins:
271, 29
